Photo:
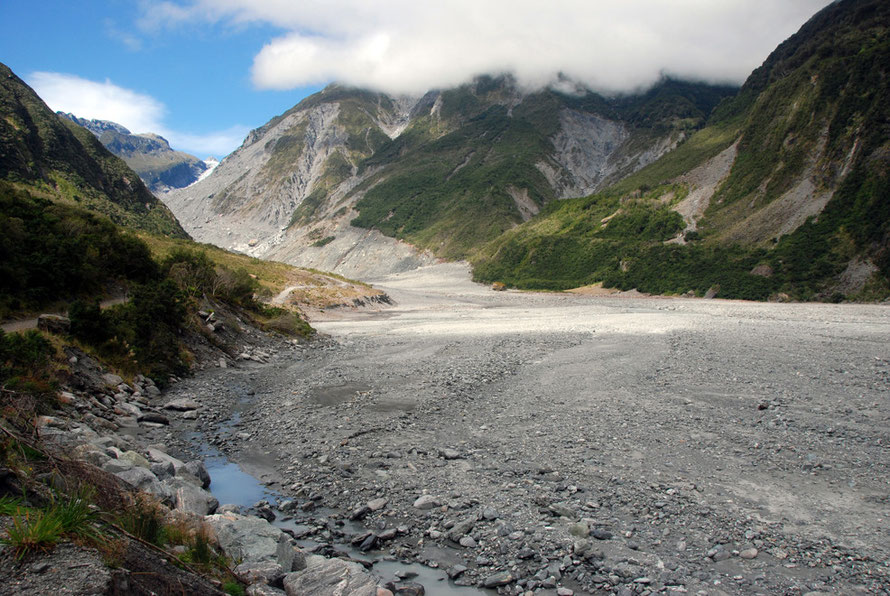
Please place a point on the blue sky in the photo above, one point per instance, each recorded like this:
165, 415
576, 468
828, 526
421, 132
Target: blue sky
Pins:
204, 72
199, 73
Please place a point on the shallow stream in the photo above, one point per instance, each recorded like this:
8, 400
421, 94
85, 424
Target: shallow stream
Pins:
230, 484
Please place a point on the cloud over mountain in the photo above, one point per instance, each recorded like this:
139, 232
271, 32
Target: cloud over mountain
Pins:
404, 46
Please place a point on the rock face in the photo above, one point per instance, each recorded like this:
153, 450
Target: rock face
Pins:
293, 190
150, 155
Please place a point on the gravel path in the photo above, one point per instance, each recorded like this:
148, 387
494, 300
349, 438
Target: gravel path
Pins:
596, 444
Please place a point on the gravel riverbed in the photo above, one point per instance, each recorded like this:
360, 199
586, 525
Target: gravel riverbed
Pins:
557, 443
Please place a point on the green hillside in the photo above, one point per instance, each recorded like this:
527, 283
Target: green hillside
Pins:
57, 159
448, 183
450, 180
804, 210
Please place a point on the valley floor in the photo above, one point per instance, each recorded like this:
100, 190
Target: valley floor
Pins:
621, 443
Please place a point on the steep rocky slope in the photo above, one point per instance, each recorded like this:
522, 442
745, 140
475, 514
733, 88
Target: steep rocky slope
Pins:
150, 155
55, 158
340, 179
784, 193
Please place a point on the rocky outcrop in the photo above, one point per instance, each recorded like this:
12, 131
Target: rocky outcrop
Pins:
109, 424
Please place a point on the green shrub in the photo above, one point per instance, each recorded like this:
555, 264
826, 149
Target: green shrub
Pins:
24, 355
191, 270
41, 529
286, 322
10, 505
51, 252
88, 324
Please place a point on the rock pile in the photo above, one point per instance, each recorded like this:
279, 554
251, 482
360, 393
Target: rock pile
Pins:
103, 421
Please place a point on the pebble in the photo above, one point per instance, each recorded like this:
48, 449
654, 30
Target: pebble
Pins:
425, 502
601, 534
502, 578
457, 571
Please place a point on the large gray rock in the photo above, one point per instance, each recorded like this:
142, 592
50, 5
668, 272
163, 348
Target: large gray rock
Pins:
190, 498
259, 572
143, 479
182, 404
113, 466
252, 539
330, 577
197, 470
159, 456
425, 502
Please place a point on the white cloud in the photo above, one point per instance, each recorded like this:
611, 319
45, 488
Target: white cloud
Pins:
105, 101
410, 46
136, 111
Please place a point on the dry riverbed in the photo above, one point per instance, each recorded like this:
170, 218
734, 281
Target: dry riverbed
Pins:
544, 442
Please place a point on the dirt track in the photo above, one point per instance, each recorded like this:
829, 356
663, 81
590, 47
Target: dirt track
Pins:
719, 446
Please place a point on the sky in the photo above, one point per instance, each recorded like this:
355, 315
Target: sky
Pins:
202, 73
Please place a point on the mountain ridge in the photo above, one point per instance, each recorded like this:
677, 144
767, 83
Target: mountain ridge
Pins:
149, 155
329, 180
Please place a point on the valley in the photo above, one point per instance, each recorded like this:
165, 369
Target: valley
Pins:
619, 442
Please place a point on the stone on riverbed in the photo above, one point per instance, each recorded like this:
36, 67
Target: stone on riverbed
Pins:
252, 539
182, 404
328, 577
191, 499
426, 502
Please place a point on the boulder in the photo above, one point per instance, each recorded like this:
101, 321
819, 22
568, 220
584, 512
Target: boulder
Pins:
260, 589
182, 404
112, 380
329, 577
54, 323
196, 468
426, 502
142, 479
191, 499
90, 453
154, 418
113, 466
259, 572
135, 458
156, 455
252, 539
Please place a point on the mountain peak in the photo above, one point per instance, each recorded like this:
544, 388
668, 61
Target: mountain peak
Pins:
149, 154
97, 127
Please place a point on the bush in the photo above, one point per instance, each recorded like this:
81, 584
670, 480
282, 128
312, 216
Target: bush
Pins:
147, 329
88, 324
51, 252
192, 271
145, 520
236, 287
24, 355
